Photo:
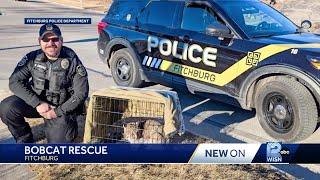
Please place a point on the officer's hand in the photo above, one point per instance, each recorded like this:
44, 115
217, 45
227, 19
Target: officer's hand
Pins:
49, 115
43, 108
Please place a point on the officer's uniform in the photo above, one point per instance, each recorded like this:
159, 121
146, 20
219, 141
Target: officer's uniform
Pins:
62, 83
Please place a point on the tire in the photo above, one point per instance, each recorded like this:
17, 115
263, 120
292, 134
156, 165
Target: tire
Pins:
285, 109
125, 69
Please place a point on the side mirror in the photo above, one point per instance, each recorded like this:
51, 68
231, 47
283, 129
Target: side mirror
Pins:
306, 24
219, 30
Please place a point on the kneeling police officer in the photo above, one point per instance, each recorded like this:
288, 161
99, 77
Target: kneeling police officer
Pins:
51, 83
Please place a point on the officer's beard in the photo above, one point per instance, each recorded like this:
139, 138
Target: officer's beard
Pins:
56, 55
53, 58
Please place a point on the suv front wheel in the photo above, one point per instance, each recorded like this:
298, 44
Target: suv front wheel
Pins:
124, 69
285, 109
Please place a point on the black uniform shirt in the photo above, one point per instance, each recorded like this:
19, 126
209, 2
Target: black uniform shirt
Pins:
35, 77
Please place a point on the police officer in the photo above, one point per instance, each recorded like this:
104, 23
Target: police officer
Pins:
51, 83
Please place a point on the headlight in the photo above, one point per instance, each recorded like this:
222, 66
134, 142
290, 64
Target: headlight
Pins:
314, 61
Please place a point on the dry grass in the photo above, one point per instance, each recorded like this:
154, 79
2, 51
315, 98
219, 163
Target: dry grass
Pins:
160, 171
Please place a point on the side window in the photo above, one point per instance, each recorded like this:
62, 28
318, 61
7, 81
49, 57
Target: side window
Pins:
197, 19
124, 12
257, 20
159, 13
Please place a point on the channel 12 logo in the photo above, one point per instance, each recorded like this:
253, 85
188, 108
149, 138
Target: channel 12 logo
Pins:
275, 152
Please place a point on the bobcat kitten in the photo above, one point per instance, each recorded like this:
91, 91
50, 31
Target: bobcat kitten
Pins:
153, 132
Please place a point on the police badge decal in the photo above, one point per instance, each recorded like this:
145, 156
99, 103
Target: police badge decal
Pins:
49, 27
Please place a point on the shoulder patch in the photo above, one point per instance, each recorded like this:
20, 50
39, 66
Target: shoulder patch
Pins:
81, 70
23, 61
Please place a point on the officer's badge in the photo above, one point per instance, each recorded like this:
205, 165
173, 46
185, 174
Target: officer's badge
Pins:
23, 61
49, 27
81, 70
65, 63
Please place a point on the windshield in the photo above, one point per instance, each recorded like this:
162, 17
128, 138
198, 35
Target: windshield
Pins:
257, 19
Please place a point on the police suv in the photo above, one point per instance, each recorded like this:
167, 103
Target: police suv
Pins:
242, 52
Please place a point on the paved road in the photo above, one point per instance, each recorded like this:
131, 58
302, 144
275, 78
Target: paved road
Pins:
202, 116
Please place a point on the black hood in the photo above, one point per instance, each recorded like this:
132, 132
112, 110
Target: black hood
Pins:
291, 39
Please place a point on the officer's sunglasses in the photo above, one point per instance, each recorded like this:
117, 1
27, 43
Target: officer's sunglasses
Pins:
56, 39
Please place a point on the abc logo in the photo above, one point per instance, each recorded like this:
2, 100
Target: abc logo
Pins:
284, 151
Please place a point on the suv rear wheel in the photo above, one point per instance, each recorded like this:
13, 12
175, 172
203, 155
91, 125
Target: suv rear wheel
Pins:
124, 69
286, 109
